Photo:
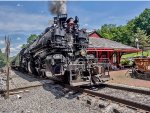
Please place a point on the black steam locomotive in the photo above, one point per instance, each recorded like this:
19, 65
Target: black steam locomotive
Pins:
60, 52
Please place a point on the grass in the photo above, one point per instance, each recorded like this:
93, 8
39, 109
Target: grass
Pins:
145, 53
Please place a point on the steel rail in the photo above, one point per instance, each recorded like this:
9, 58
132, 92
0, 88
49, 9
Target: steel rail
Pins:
21, 88
141, 91
135, 90
118, 87
112, 98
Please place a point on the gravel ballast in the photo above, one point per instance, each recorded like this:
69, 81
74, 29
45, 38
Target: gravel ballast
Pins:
47, 99
136, 97
53, 98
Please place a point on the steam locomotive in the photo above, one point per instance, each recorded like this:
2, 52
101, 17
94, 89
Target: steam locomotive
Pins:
60, 52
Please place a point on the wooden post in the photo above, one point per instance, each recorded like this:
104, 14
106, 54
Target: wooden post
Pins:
96, 54
7, 52
7, 81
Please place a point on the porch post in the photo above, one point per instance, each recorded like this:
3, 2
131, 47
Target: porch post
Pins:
108, 55
119, 57
96, 54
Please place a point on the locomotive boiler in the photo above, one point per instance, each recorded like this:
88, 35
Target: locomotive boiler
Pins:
60, 53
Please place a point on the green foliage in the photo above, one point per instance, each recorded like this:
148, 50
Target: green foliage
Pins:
107, 30
2, 59
122, 35
30, 39
144, 40
125, 62
143, 21
12, 58
24, 45
116, 33
145, 53
2, 63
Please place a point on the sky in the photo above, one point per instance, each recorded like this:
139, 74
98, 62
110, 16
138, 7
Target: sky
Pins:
19, 20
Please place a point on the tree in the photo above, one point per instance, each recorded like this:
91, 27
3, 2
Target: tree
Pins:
30, 39
107, 31
116, 33
143, 39
123, 35
143, 21
2, 59
24, 46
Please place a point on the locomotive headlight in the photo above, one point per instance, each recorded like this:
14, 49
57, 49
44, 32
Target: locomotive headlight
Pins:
83, 52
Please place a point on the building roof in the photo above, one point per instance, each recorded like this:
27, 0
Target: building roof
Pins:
103, 43
106, 43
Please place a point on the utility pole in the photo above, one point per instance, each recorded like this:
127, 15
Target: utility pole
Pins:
7, 52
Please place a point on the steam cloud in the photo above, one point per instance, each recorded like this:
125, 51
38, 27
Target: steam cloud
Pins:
58, 7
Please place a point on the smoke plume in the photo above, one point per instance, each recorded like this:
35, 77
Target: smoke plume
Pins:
58, 7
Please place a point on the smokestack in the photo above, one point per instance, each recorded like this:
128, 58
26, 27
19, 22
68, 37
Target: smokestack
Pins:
58, 7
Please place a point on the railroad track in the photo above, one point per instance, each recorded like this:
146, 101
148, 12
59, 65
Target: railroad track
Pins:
86, 90
120, 87
135, 90
24, 88
19, 90
130, 103
93, 93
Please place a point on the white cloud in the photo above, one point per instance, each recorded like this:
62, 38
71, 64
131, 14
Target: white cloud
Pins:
3, 50
19, 46
19, 5
14, 49
2, 42
13, 20
18, 38
85, 24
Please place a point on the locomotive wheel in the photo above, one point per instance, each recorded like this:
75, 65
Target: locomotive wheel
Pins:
31, 68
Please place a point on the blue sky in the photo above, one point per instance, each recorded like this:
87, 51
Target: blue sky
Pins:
20, 19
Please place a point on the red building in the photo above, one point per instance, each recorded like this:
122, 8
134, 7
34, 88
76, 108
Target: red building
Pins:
103, 48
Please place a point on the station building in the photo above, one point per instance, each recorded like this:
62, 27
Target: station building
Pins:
105, 49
